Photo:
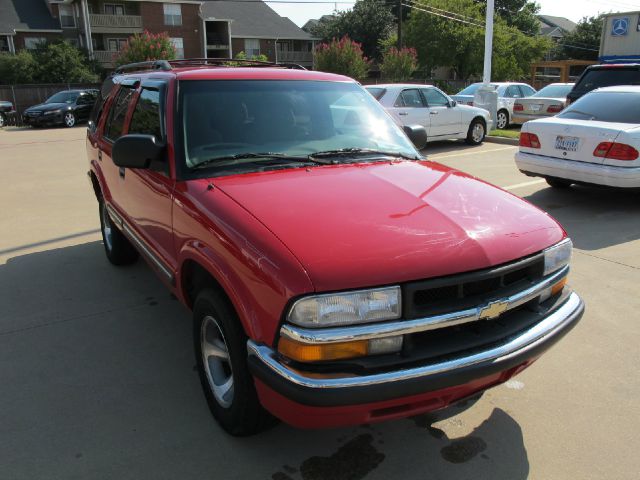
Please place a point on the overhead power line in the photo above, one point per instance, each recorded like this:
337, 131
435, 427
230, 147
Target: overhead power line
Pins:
443, 15
444, 12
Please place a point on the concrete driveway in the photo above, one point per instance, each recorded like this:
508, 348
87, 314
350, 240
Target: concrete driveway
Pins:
98, 378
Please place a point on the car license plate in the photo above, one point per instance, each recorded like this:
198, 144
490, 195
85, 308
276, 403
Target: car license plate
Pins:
569, 144
536, 107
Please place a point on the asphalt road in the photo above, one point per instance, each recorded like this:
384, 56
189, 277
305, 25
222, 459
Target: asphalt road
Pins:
97, 376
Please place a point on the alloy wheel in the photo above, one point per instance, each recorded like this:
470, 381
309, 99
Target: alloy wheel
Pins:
477, 134
69, 119
215, 358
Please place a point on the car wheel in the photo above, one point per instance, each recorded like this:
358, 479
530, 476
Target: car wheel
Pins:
69, 119
477, 132
502, 120
221, 355
558, 182
117, 247
2, 120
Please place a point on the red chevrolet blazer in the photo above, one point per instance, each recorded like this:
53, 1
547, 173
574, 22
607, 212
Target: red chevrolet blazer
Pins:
335, 275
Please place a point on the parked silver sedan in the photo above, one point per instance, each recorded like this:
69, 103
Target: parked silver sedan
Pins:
430, 107
508, 94
544, 103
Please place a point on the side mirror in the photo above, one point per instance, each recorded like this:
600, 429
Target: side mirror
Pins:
417, 134
453, 103
136, 151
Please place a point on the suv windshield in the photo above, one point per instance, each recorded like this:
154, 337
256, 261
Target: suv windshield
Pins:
620, 107
607, 77
63, 97
553, 91
223, 118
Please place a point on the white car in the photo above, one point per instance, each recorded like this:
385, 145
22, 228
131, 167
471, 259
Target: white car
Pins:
546, 102
430, 107
508, 93
594, 140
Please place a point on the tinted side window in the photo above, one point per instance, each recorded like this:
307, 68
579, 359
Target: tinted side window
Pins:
146, 116
115, 123
435, 98
527, 90
376, 92
409, 98
513, 92
608, 77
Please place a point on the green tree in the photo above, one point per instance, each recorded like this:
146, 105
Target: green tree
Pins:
520, 14
18, 68
145, 47
367, 23
243, 56
584, 42
344, 57
398, 65
61, 62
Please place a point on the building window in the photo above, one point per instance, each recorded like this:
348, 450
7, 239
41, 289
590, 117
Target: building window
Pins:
31, 43
116, 44
67, 18
251, 47
4, 44
179, 46
113, 9
172, 14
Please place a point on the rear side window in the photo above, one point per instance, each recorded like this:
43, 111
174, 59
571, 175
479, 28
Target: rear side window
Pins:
146, 116
376, 92
118, 113
607, 77
513, 92
409, 98
527, 91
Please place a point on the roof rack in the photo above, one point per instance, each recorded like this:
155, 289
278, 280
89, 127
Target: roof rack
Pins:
166, 65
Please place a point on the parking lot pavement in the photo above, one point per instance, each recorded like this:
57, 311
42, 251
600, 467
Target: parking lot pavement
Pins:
98, 377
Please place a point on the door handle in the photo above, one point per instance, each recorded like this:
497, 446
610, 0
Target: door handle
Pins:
403, 113
433, 113
121, 172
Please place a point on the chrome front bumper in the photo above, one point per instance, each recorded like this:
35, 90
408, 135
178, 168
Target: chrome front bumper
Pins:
330, 390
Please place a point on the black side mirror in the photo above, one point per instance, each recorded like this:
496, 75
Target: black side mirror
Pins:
452, 103
417, 134
136, 151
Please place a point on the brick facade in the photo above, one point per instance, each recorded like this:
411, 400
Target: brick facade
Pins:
190, 31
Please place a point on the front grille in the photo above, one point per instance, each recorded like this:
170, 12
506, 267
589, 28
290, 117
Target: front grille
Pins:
467, 290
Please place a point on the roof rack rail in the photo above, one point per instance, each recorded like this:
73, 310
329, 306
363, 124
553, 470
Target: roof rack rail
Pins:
167, 65
150, 65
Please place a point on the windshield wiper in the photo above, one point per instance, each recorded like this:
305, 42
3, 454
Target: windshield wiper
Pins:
263, 156
352, 152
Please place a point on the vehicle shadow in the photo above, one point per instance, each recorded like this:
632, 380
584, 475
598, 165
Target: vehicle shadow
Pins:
99, 381
594, 217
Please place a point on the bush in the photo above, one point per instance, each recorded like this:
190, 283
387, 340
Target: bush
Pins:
398, 65
18, 68
243, 56
344, 57
146, 47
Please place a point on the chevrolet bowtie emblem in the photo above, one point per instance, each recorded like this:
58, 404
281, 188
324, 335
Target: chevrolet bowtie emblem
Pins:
493, 310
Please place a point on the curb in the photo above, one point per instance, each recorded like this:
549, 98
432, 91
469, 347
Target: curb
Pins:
502, 140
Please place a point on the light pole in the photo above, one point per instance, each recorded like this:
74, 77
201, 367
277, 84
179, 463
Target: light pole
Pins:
488, 43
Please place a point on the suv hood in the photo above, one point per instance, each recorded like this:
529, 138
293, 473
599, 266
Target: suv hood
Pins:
368, 224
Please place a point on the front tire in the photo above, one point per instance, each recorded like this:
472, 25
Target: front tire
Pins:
558, 183
502, 120
477, 132
220, 346
69, 119
117, 247
3, 121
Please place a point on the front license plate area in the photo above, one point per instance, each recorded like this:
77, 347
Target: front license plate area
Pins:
568, 144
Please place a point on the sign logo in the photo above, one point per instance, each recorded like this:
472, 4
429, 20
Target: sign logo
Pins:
493, 310
620, 26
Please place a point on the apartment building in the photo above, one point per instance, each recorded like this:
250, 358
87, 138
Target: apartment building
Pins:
218, 29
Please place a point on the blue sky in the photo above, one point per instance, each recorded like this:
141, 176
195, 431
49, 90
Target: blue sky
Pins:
571, 9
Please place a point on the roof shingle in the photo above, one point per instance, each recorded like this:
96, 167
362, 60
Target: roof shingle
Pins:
26, 15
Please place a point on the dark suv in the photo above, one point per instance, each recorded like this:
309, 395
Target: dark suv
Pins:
596, 76
335, 275
63, 108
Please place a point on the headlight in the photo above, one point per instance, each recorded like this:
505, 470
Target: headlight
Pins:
348, 308
557, 256
52, 112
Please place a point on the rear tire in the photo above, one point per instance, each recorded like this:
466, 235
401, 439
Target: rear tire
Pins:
2, 120
117, 247
220, 346
558, 183
69, 119
477, 132
502, 120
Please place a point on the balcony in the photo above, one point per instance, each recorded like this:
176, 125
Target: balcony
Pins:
105, 57
115, 23
295, 57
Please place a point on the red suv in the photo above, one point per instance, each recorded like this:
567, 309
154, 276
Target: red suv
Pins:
335, 275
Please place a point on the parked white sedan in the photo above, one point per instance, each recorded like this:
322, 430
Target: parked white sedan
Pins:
594, 140
546, 102
430, 107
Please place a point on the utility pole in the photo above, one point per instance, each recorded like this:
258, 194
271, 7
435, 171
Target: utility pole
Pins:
399, 24
488, 43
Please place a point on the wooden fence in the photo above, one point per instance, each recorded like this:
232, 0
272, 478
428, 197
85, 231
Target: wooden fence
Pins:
25, 96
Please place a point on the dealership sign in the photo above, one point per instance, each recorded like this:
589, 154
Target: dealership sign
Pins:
620, 26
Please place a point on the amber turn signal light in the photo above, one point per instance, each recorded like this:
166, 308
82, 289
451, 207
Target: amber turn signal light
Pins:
557, 288
303, 352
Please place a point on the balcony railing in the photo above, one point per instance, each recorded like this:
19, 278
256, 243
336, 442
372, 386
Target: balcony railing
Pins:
105, 57
125, 22
295, 57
